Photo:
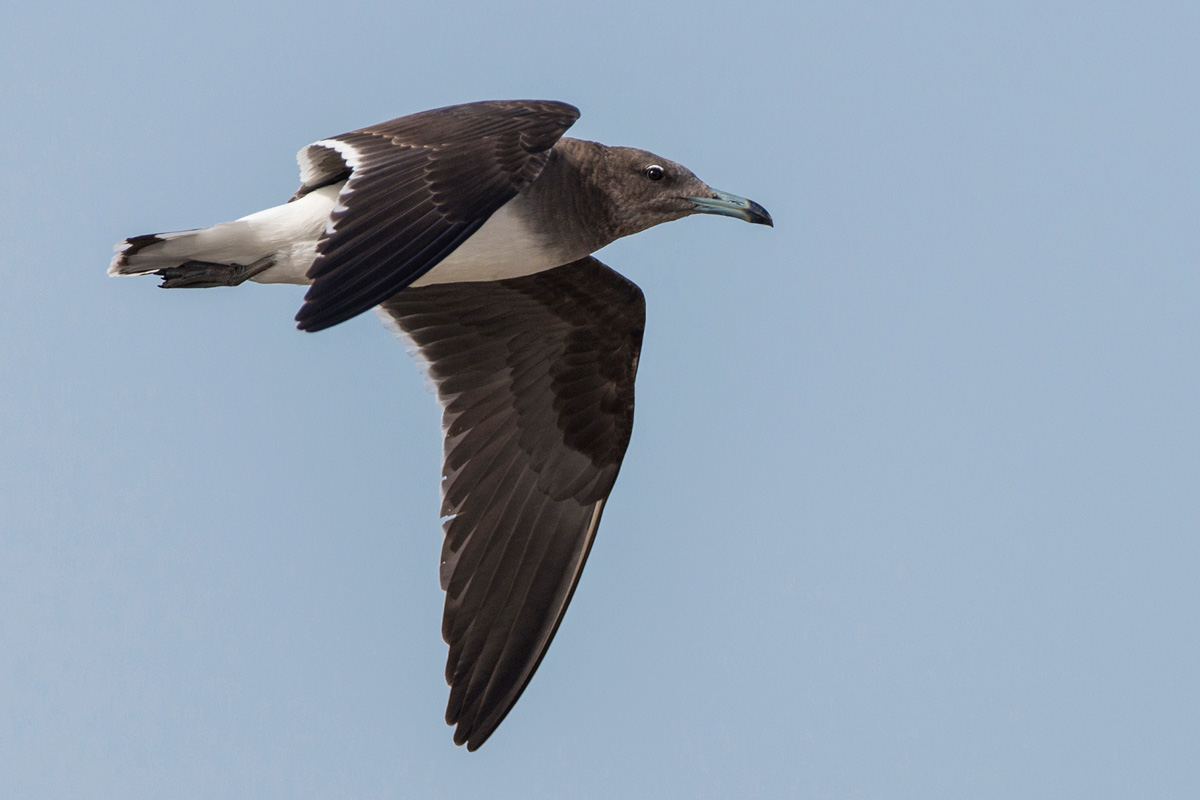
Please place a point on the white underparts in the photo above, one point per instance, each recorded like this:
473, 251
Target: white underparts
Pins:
504, 247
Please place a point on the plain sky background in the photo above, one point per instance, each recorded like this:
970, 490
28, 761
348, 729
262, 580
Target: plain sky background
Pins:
912, 503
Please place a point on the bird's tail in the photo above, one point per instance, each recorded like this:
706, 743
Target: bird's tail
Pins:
238, 242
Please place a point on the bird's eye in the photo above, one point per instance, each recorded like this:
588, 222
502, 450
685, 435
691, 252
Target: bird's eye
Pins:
654, 172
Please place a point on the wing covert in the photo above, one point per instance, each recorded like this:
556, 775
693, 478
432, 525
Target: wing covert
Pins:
416, 188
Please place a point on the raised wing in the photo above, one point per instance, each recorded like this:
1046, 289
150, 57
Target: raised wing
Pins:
417, 187
535, 377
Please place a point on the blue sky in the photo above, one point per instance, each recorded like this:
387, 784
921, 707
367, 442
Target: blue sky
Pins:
911, 505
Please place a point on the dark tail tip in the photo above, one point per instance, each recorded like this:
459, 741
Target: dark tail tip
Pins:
135, 244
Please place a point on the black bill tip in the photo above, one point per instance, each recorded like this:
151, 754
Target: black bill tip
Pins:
730, 205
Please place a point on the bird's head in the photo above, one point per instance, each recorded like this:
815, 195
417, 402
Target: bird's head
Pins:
647, 190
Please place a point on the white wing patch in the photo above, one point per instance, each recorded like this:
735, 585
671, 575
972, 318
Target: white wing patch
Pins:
315, 163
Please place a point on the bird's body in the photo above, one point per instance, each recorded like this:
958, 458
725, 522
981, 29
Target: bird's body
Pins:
470, 229
506, 246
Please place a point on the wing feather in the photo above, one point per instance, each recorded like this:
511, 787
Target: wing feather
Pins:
415, 189
535, 376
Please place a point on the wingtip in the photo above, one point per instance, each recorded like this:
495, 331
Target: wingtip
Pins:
472, 738
310, 319
572, 111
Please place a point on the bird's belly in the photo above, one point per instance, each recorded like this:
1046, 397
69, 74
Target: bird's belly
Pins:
504, 247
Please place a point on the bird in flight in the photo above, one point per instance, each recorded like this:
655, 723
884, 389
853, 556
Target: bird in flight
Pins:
469, 230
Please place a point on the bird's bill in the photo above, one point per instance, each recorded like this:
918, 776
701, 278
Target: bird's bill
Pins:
730, 205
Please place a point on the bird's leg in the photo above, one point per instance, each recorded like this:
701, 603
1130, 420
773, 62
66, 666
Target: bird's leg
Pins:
207, 274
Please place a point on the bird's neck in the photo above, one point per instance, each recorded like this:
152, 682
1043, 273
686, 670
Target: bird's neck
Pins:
567, 203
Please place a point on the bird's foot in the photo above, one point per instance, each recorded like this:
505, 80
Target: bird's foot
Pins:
206, 274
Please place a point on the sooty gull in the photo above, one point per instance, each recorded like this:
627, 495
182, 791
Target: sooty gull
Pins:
469, 229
